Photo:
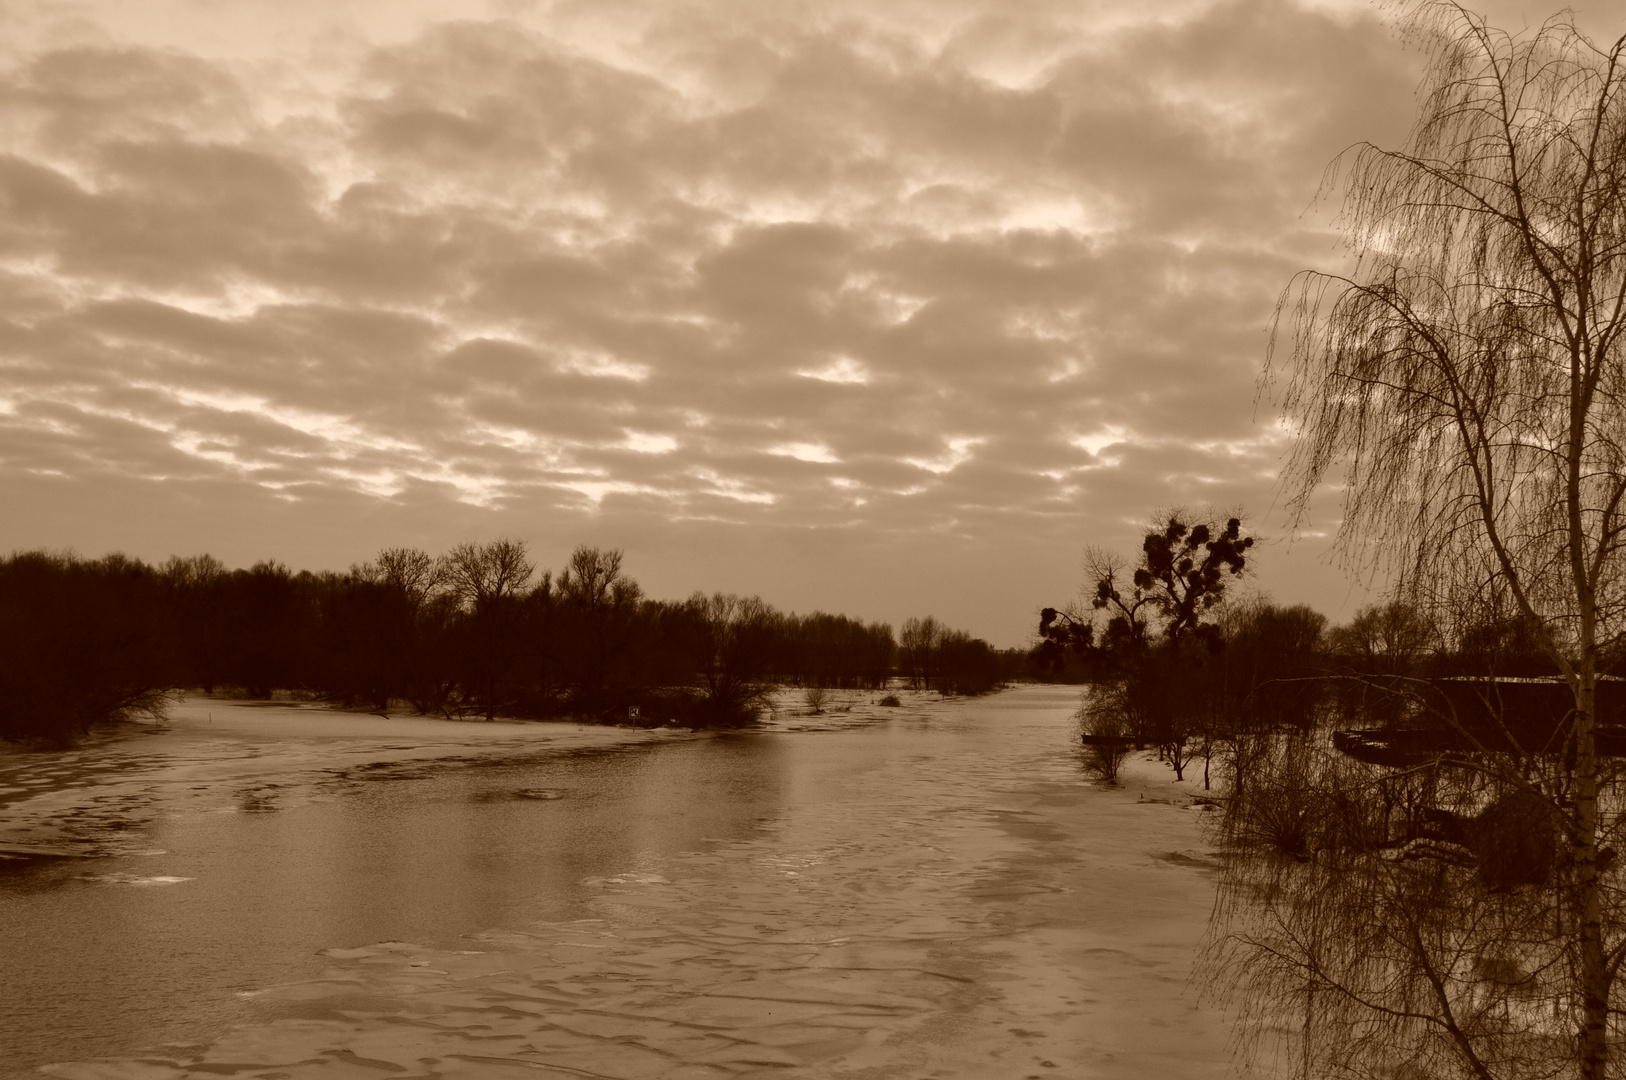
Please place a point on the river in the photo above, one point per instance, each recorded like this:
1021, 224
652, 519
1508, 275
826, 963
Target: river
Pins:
935, 890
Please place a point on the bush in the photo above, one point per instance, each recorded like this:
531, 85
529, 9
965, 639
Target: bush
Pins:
891, 701
1296, 796
659, 706
814, 698
742, 706
1106, 730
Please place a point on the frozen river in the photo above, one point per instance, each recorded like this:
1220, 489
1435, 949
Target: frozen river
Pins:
931, 891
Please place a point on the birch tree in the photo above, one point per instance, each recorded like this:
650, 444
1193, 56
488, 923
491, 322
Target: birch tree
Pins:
1466, 380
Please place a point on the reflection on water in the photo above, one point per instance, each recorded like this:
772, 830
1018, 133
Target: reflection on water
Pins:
928, 892
105, 955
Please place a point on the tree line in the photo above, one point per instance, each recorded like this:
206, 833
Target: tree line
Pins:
476, 631
1175, 664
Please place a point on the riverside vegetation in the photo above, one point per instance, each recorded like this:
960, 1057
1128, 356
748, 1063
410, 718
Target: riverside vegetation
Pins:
1420, 872
474, 632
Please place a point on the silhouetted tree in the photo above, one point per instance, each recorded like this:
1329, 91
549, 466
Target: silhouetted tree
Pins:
406, 582
83, 642
266, 627
1467, 380
732, 642
1138, 633
489, 580
833, 650
597, 611
917, 650
196, 602
1377, 656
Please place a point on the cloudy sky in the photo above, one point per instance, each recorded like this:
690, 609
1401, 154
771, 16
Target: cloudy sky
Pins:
878, 306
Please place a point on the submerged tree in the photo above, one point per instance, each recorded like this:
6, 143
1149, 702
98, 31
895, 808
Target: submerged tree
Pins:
1137, 635
731, 639
1467, 376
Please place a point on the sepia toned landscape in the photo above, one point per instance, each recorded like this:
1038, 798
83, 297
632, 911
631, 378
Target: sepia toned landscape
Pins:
889, 541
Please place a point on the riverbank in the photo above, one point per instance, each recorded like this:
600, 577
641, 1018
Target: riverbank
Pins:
89, 801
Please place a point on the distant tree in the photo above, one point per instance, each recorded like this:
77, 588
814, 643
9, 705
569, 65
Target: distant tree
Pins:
351, 656
489, 579
435, 667
413, 573
966, 665
917, 650
833, 650
412, 581
483, 574
597, 609
196, 599
1390, 638
266, 628
1267, 676
82, 642
373, 645
1107, 720
1377, 655
1143, 621
732, 641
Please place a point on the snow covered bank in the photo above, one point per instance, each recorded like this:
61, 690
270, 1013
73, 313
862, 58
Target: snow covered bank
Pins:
86, 801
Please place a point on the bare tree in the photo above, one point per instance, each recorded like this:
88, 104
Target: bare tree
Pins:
594, 578
485, 573
1388, 639
1106, 720
393, 600
413, 573
732, 643
489, 579
195, 583
597, 602
1143, 620
1125, 606
1467, 377
917, 649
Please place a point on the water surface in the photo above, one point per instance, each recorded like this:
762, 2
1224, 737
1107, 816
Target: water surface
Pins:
934, 890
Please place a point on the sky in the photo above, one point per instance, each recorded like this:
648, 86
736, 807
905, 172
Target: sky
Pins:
885, 307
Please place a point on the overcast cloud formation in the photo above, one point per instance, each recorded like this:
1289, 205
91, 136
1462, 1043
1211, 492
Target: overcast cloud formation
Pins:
883, 307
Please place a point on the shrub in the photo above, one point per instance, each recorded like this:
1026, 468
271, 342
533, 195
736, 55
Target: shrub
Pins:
1106, 730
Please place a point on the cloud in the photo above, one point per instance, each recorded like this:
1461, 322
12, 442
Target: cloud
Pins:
996, 275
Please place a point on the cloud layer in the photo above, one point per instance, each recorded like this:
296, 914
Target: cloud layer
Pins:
888, 308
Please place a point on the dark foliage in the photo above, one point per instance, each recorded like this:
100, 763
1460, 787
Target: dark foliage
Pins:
474, 633
82, 641
1184, 569
1134, 640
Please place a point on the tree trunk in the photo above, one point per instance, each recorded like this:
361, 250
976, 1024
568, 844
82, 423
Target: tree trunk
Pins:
1594, 1045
